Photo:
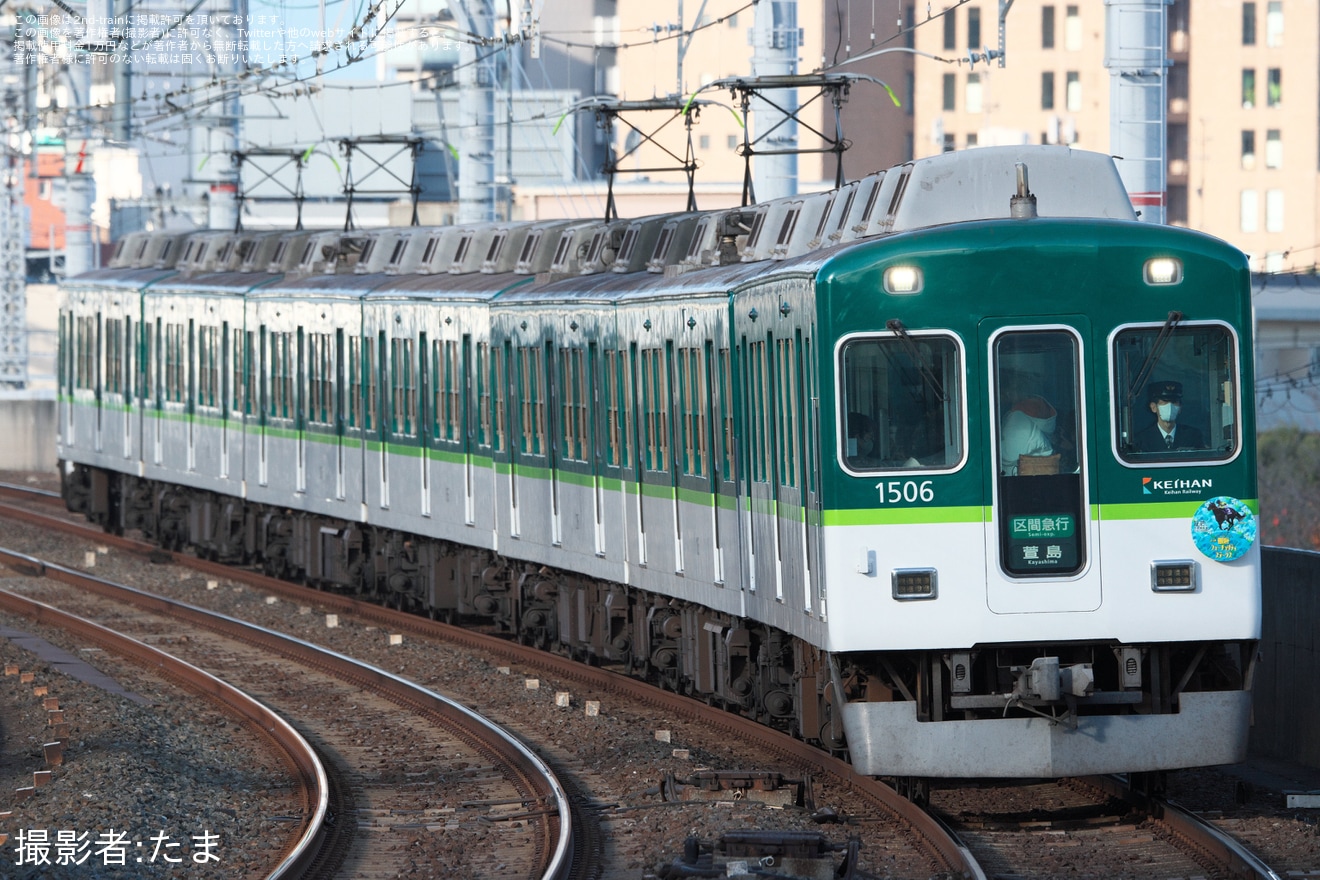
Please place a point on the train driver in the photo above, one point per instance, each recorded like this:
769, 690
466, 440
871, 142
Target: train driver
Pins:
1165, 434
1028, 431
861, 441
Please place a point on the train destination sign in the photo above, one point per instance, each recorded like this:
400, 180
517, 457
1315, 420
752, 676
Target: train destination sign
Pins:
1060, 526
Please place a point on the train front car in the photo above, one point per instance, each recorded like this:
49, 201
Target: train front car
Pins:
1039, 531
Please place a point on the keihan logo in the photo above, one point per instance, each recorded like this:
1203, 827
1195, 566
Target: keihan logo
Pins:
1152, 486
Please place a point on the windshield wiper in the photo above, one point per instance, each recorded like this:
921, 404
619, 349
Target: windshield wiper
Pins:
1153, 357
896, 327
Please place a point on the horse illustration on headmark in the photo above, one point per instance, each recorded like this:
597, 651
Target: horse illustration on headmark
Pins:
1224, 515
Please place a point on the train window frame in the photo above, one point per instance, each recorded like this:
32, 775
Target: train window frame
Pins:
1016, 499
1135, 460
958, 409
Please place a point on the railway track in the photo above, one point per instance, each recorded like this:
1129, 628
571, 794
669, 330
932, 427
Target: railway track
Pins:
1192, 846
501, 781
1092, 827
908, 827
311, 796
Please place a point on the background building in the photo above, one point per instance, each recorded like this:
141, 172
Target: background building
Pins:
1243, 106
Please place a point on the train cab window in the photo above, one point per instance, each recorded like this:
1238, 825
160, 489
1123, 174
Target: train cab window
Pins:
1175, 393
901, 403
1039, 493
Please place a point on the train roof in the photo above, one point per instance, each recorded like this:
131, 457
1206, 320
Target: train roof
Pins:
706, 252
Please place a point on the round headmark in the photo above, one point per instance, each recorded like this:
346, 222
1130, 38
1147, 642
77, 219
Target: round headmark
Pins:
1224, 528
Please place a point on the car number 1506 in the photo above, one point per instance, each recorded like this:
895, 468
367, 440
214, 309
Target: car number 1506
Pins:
910, 491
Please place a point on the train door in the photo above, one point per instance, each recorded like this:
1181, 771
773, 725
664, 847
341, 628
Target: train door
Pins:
756, 416
508, 433
190, 398
725, 457
429, 373
225, 392
98, 379
593, 450
790, 501
468, 432
381, 377
126, 384
300, 409
632, 402
808, 431
668, 399
338, 403
263, 408
1041, 530
555, 438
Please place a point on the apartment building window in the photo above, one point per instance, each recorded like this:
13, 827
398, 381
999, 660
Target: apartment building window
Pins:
1047, 27
704, 142
949, 145
973, 101
1249, 219
1274, 210
950, 28
1274, 148
1248, 24
732, 142
973, 28
1248, 149
909, 91
950, 90
1274, 87
910, 16
1274, 23
1074, 92
1047, 90
1274, 263
1248, 88
972, 140
1072, 30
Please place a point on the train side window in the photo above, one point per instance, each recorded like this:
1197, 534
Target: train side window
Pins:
312, 378
613, 454
237, 361
207, 375
370, 412
901, 403
628, 385
725, 412
499, 383
1176, 393
482, 379
353, 362
786, 430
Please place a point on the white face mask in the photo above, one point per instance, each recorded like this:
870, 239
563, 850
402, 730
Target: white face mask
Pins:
1169, 412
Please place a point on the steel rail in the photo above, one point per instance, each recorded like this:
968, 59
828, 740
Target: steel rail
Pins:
529, 773
948, 853
294, 750
1229, 853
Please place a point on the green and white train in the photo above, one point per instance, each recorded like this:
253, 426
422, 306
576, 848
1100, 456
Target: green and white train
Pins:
869, 465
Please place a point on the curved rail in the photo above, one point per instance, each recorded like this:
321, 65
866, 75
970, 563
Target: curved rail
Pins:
296, 751
530, 774
46, 495
1230, 854
946, 850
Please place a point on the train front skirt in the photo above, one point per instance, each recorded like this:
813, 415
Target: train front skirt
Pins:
886, 739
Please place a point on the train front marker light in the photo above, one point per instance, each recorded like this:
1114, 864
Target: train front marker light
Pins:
914, 583
903, 279
1163, 270
1175, 576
